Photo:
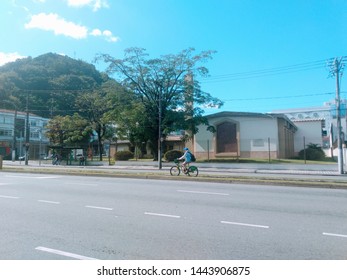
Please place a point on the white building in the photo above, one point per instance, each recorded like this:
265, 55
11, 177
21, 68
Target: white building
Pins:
309, 131
246, 135
13, 134
317, 125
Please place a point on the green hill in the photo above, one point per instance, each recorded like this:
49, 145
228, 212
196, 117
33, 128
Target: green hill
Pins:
51, 82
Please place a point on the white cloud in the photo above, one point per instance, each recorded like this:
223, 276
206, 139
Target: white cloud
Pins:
59, 26
14, 4
96, 32
52, 22
107, 34
95, 4
9, 57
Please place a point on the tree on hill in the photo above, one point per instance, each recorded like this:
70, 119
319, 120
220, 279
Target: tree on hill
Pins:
53, 85
51, 82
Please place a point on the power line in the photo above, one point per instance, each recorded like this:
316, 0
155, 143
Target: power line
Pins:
266, 72
277, 97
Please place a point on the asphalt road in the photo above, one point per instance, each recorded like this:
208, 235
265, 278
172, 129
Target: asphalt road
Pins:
76, 217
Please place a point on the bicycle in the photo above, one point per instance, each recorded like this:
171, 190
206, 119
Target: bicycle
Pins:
178, 168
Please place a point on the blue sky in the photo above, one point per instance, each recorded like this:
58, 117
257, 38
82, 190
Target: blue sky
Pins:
270, 54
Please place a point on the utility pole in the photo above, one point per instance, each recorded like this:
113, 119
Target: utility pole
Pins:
27, 131
336, 68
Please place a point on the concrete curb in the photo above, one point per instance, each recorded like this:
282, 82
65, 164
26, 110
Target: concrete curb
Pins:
329, 182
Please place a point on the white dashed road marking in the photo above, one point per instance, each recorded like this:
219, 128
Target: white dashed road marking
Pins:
162, 215
199, 192
11, 197
48, 201
242, 224
335, 234
32, 177
62, 253
98, 207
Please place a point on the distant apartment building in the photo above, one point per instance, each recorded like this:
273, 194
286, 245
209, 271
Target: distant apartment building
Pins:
13, 134
317, 125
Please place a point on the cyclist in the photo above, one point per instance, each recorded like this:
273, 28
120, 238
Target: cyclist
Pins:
187, 158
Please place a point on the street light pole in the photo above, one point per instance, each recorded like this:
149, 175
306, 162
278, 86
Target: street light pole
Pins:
159, 133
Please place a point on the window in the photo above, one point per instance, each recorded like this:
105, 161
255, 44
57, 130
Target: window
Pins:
34, 135
8, 120
258, 143
5, 132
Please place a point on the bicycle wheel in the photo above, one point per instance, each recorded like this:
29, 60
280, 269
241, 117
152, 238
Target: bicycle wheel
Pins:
193, 171
175, 171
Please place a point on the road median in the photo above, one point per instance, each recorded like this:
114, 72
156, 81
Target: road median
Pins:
226, 178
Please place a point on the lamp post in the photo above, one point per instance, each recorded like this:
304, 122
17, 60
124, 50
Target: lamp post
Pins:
160, 136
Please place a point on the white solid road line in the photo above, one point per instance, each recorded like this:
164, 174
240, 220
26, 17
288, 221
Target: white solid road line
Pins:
98, 207
62, 253
11, 197
242, 224
48, 201
199, 192
335, 234
162, 215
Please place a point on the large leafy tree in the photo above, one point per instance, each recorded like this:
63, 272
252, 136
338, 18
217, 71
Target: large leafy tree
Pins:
69, 131
95, 105
129, 117
167, 87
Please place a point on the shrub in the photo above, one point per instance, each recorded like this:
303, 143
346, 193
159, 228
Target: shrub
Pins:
173, 154
124, 155
313, 152
147, 157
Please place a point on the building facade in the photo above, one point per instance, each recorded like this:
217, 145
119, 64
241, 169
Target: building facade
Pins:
13, 135
246, 135
318, 125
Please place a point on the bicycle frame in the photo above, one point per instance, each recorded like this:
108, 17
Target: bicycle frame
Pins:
179, 164
178, 168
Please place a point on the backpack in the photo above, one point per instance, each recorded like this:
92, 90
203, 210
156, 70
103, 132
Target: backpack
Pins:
193, 159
